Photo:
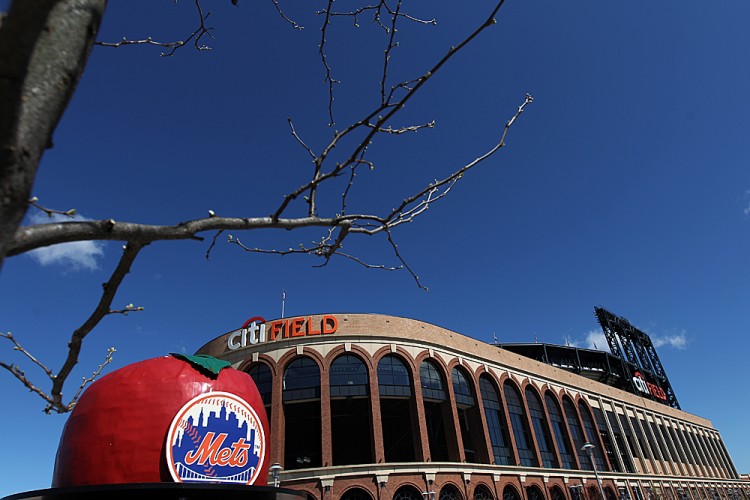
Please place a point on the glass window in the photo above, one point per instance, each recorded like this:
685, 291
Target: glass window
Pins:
510, 493
437, 412
534, 493
301, 380
541, 429
591, 434
609, 449
576, 433
349, 377
356, 494
469, 420
461, 389
450, 492
624, 455
407, 493
497, 425
561, 434
432, 382
263, 378
393, 377
517, 413
481, 492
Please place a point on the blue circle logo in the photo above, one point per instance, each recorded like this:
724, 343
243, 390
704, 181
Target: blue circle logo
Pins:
216, 437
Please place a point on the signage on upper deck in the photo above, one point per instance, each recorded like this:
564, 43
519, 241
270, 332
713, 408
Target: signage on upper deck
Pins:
257, 330
648, 388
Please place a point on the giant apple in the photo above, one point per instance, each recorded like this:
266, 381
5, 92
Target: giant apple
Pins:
173, 418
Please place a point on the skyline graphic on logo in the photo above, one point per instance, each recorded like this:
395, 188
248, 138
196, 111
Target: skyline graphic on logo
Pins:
216, 438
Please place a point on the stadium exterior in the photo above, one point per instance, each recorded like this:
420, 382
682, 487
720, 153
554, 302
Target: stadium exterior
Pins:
368, 406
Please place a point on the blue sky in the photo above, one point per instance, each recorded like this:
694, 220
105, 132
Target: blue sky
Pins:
624, 185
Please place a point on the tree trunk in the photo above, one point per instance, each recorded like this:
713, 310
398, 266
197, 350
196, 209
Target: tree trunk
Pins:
44, 47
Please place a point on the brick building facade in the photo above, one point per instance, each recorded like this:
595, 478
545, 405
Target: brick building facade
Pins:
367, 406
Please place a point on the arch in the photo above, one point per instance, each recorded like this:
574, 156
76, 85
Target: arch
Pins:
398, 412
292, 355
519, 424
592, 436
437, 410
350, 409
593, 493
510, 493
557, 493
348, 376
407, 492
482, 492
450, 492
497, 424
302, 414
262, 375
262, 358
560, 431
576, 432
432, 380
356, 493
469, 418
301, 379
352, 349
541, 428
609, 493
534, 493
394, 377
398, 351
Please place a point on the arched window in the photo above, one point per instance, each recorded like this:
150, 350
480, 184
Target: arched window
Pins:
450, 492
432, 383
557, 493
349, 377
462, 389
263, 378
497, 425
407, 493
394, 379
301, 380
481, 492
398, 415
610, 493
356, 494
302, 422
436, 410
560, 432
593, 493
510, 493
469, 419
576, 433
541, 429
534, 493
351, 441
591, 437
517, 414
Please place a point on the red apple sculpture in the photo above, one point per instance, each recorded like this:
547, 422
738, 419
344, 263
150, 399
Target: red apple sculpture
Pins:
173, 418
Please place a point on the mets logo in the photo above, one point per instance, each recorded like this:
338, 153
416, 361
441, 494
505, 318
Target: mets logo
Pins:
216, 437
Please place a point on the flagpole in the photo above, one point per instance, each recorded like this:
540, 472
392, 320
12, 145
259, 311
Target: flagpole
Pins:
283, 299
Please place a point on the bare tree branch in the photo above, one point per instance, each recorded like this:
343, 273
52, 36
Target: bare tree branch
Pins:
24, 135
103, 308
197, 35
283, 16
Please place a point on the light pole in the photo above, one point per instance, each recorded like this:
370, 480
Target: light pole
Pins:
275, 471
589, 448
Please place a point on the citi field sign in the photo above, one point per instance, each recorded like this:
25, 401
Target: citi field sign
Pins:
639, 381
257, 330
